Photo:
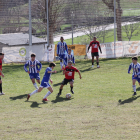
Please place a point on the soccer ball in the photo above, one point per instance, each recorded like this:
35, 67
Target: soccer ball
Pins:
68, 95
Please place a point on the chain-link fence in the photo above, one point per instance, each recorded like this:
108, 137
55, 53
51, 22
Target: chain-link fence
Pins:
78, 21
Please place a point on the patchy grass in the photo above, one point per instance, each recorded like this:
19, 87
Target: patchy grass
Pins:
101, 108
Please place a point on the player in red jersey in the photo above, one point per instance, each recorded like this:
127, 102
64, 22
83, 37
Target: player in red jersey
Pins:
1, 74
69, 72
94, 51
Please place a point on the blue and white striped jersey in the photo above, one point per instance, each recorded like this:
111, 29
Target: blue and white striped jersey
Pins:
34, 66
47, 75
61, 47
136, 69
69, 58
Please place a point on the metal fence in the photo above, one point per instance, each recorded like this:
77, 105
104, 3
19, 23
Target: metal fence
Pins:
77, 20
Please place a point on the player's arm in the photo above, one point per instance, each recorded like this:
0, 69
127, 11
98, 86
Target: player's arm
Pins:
25, 67
52, 71
100, 49
51, 81
57, 49
66, 48
79, 74
1, 73
129, 69
40, 67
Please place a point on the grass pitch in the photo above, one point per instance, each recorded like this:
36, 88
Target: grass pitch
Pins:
102, 107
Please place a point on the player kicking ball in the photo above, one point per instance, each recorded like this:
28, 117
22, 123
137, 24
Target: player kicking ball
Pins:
45, 82
136, 73
69, 72
34, 69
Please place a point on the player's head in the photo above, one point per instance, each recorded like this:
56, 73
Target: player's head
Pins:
1, 56
69, 63
33, 55
94, 38
134, 59
52, 65
62, 39
69, 50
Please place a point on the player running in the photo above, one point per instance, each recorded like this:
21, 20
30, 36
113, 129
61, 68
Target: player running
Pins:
69, 57
45, 82
34, 69
94, 51
1, 74
61, 48
136, 73
69, 72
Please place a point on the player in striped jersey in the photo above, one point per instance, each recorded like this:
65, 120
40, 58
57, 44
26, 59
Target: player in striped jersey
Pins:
136, 73
45, 82
34, 69
61, 48
69, 57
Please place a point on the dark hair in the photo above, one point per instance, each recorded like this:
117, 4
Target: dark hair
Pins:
52, 64
61, 37
1, 53
69, 48
134, 58
33, 55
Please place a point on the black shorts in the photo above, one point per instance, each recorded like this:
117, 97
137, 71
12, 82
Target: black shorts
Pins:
0, 77
65, 81
94, 54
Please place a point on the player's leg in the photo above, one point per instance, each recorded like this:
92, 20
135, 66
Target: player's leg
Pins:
97, 61
38, 78
134, 86
32, 77
92, 60
71, 86
60, 89
1, 93
48, 93
35, 91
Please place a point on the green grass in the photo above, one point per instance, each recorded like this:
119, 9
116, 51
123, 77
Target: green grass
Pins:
102, 107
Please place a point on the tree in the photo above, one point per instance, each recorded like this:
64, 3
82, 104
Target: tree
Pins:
56, 7
110, 5
131, 30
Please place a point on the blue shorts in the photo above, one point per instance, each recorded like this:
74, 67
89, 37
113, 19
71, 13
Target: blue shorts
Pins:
45, 84
62, 56
35, 76
137, 78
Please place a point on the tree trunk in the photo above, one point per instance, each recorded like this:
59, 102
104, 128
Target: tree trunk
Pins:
118, 20
51, 29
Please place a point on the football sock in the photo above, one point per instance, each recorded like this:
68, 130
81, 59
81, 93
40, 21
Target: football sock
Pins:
33, 92
97, 63
35, 85
60, 90
92, 63
1, 87
71, 88
48, 93
134, 88
61, 64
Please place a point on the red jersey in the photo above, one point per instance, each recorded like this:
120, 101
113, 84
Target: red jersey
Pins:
70, 72
95, 45
0, 65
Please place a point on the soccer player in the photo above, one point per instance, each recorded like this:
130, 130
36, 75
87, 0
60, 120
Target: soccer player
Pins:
34, 69
136, 73
1, 74
94, 51
69, 72
61, 48
45, 82
69, 57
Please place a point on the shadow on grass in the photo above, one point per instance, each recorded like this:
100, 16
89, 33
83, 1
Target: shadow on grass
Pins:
58, 84
129, 100
19, 97
89, 69
35, 104
60, 99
